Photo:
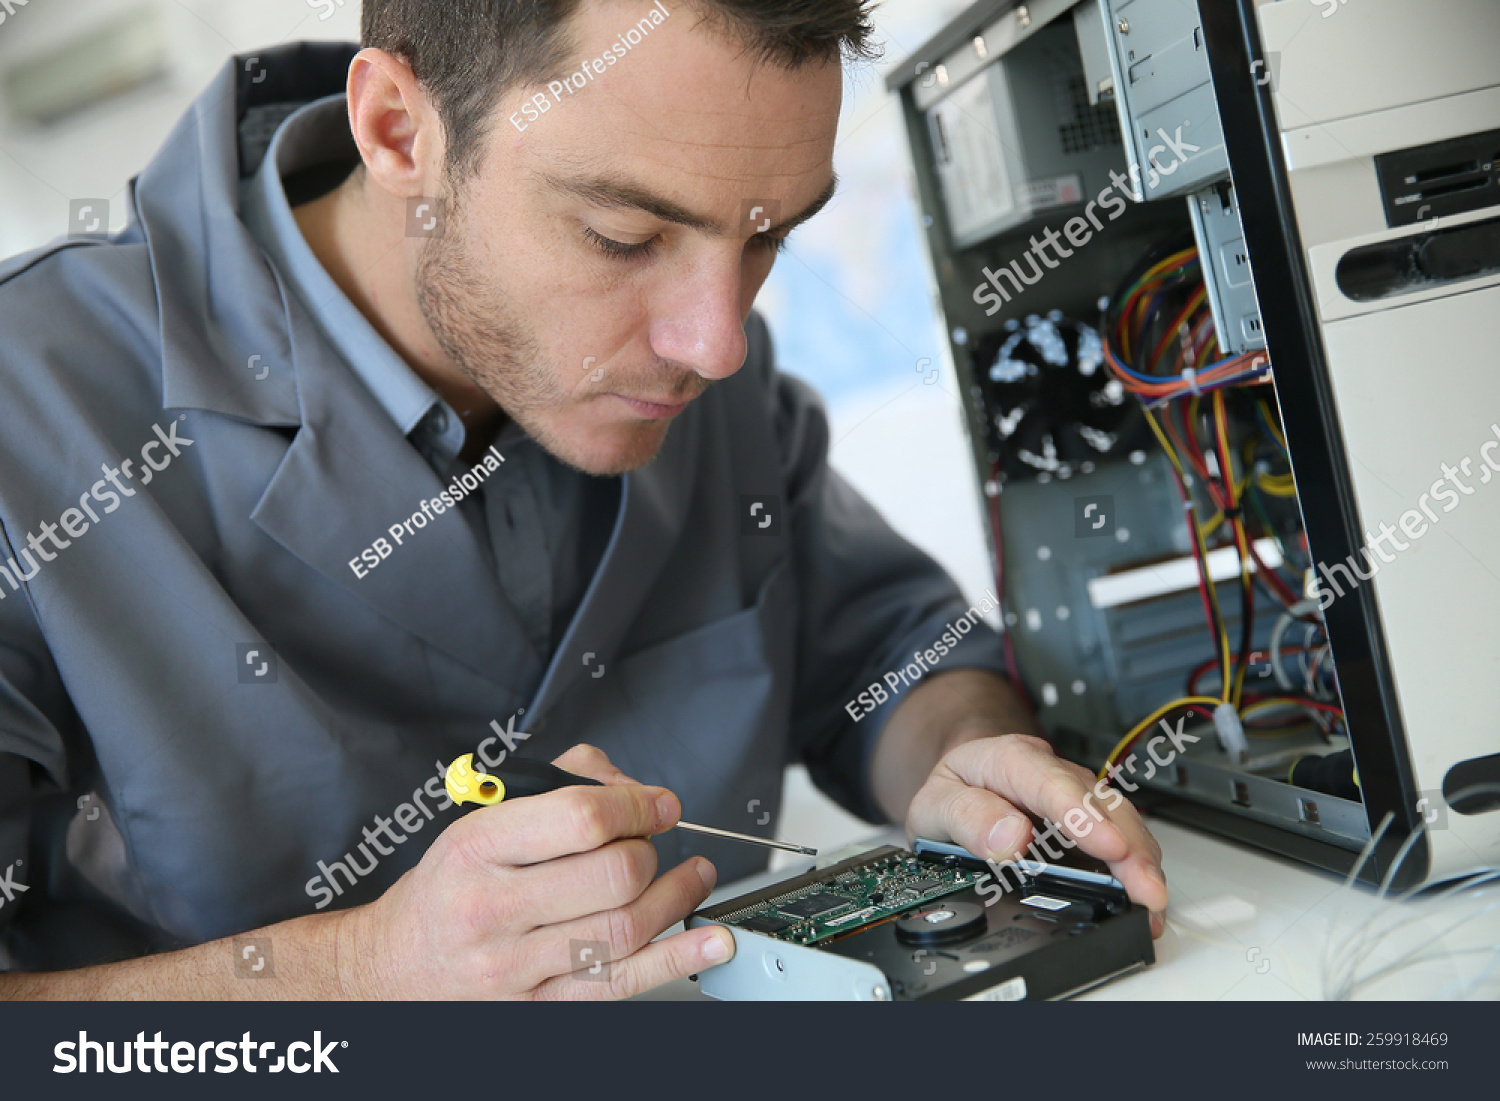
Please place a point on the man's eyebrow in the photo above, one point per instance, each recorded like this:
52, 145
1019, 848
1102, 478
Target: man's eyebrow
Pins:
613, 194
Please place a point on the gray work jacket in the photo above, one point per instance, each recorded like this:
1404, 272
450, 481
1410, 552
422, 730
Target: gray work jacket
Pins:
206, 715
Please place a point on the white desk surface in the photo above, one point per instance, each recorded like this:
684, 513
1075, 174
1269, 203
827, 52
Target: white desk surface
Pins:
1245, 925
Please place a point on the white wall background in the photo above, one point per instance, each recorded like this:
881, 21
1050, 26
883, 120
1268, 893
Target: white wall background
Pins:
849, 303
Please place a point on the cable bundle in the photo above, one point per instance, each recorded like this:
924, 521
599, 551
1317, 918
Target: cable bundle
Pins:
1166, 310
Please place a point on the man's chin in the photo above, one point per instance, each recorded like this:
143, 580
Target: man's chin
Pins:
618, 449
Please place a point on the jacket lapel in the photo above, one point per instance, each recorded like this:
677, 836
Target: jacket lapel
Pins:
347, 477
653, 507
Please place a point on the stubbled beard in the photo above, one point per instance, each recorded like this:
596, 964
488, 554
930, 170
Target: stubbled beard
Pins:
480, 330
480, 333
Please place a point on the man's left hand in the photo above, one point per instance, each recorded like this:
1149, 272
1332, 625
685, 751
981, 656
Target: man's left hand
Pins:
976, 795
990, 772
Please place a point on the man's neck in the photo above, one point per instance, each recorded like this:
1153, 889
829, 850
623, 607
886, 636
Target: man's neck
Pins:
360, 239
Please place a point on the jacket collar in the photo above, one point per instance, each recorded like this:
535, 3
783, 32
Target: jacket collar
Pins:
225, 313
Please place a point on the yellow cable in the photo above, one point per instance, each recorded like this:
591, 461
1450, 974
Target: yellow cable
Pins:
1276, 485
1271, 424
1221, 426
1135, 731
1153, 272
1192, 523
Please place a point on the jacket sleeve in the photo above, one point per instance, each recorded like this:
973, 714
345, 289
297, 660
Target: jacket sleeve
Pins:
870, 602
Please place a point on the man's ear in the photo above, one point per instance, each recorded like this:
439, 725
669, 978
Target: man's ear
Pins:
395, 125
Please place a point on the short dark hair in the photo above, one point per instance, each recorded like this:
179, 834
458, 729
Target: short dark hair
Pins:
468, 53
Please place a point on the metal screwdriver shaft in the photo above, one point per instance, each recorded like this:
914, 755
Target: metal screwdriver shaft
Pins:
747, 838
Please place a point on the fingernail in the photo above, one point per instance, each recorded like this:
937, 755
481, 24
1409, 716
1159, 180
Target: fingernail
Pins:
708, 873
717, 947
1003, 838
666, 809
1158, 923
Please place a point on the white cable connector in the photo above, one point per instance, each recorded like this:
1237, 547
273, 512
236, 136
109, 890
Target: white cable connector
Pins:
1231, 733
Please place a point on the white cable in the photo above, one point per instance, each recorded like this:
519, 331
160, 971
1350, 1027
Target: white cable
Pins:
1340, 970
1348, 889
1467, 887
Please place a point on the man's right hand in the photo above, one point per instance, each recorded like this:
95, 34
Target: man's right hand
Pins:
499, 904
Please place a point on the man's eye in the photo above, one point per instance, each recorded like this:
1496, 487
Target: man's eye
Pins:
619, 250
777, 243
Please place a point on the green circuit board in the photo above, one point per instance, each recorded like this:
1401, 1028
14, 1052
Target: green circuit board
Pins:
891, 883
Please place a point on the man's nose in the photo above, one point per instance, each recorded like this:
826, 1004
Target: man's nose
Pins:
700, 325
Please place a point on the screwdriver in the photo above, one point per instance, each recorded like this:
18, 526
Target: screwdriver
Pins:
520, 777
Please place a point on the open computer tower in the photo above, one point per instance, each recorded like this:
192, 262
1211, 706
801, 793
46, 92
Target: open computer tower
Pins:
1243, 257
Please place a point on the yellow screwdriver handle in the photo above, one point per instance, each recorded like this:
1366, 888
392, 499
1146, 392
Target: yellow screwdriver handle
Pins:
465, 785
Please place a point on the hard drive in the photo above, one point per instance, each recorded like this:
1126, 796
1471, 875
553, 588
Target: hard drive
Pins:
930, 924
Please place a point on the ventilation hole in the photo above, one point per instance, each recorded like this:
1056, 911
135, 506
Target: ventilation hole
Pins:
1082, 126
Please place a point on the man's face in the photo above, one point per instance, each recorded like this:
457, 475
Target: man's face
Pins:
595, 275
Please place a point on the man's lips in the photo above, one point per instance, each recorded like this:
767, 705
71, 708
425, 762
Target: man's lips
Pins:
654, 410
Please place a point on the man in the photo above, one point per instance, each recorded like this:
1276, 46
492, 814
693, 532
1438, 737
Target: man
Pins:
510, 276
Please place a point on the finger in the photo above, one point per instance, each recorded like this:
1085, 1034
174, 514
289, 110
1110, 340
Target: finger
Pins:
590, 761
563, 822
572, 887
978, 819
662, 961
1140, 870
626, 934
1079, 810
1027, 773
